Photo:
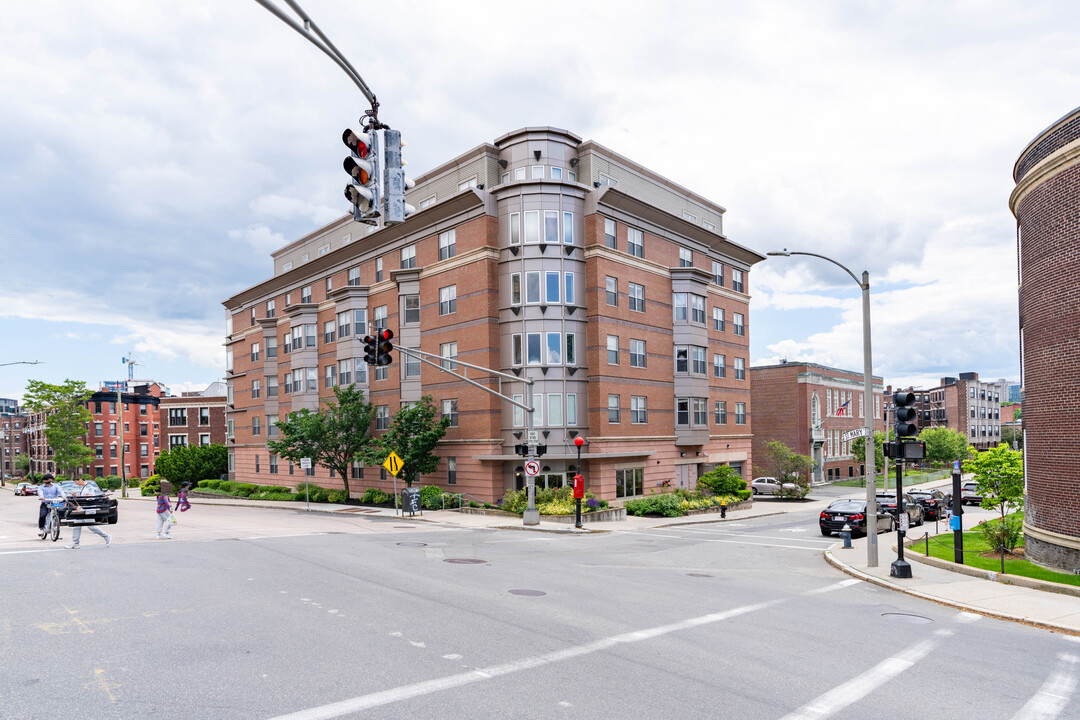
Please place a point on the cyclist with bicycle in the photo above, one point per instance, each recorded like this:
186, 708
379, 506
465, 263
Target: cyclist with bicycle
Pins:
48, 491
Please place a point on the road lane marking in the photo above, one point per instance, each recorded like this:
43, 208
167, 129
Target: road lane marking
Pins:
853, 690
834, 586
104, 684
405, 692
1055, 693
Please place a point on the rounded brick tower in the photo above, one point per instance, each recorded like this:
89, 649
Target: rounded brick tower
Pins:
1046, 203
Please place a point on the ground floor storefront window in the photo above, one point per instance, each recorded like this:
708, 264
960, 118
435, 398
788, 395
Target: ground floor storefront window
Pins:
630, 482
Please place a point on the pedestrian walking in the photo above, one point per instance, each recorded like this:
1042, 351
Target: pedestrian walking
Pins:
164, 516
182, 503
84, 490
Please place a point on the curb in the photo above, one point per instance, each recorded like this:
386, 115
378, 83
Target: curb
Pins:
881, 582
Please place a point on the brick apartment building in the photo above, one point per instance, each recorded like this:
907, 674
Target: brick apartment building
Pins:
1045, 202
966, 404
808, 408
13, 437
540, 255
131, 422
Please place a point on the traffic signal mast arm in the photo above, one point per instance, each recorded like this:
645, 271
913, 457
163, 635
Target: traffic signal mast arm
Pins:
413, 352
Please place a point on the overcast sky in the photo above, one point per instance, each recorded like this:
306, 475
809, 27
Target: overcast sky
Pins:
153, 153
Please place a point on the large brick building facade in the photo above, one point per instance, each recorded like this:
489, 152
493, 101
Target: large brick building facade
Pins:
1046, 203
539, 255
13, 437
808, 408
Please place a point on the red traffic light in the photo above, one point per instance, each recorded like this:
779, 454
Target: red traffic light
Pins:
359, 143
386, 334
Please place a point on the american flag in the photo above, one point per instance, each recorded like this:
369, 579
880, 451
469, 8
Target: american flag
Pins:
843, 409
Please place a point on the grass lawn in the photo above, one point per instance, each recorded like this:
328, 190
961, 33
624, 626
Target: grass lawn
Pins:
941, 547
910, 478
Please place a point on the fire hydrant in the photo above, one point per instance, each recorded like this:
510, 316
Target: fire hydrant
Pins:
723, 508
845, 533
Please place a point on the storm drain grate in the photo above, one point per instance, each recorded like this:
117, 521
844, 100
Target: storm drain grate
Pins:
698, 575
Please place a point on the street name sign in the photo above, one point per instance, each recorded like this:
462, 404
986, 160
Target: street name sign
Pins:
852, 434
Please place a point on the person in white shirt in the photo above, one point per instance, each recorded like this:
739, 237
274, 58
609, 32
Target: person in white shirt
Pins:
84, 490
47, 492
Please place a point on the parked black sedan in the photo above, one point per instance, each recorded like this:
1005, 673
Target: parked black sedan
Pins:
853, 514
934, 502
914, 511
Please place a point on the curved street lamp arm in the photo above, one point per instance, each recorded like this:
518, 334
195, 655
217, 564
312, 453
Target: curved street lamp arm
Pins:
842, 267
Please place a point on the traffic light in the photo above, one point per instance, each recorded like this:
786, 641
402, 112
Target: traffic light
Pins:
363, 165
904, 414
522, 450
541, 450
383, 347
370, 352
395, 184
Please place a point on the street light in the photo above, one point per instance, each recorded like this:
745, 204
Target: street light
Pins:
868, 403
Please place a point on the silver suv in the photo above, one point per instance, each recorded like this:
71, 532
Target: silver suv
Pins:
969, 494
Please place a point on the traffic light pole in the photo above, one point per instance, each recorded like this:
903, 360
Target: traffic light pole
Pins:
531, 515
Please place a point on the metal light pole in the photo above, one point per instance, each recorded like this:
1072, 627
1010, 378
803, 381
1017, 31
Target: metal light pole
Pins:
868, 404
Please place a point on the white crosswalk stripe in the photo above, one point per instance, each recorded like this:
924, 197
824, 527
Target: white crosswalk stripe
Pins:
1055, 693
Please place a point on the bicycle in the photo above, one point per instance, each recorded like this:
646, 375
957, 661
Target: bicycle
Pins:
52, 521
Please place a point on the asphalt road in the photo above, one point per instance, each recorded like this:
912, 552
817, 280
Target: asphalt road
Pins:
270, 614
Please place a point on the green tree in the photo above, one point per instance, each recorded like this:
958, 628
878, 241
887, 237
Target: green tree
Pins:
191, 464
22, 463
66, 421
414, 432
999, 472
858, 449
944, 445
335, 437
781, 462
723, 480
1012, 436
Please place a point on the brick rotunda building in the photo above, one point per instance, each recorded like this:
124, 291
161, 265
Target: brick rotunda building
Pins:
1046, 203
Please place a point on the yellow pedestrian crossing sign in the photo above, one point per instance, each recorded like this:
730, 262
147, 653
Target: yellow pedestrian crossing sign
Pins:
393, 463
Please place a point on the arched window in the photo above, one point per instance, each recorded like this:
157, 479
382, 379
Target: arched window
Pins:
815, 410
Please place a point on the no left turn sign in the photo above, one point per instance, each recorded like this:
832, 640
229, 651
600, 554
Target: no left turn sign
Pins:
532, 468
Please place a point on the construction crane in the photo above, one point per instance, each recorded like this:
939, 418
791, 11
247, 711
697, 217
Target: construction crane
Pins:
131, 362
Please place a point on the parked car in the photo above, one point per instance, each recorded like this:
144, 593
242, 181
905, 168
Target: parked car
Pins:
934, 503
25, 488
768, 486
853, 514
914, 510
969, 494
89, 509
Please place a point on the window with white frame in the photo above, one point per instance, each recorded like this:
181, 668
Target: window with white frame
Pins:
701, 414
345, 372
378, 319
613, 409
611, 288
515, 228
448, 300
553, 348
519, 173
552, 281
551, 226
740, 369
359, 318
515, 288
613, 349
271, 386
538, 410
254, 352
718, 319
255, 388
412, 366
354, 276
608, 181
568, 228
532, 348
311, 376
638, 412
682, 412
305, 294
718, 273
256, 426
329, 376
556, 173
609, 233
571, 409
378, 269
737, 325
708, 225
412, 310
382, 417
449, 351
311, 331
532, 226
690, 217
637, 353
515, 349
343, 324
329, 285
554, 409
568, 288
470, 183
537, 172
426, 202
519, 414
504, 178
686, 257
635, 242
697, 309
679, 301
740, 413
532, 287
682, 358
721, 413
360, 369
408, 257
329, 331
447, 244
269, 308
449, 410
286, 268
635, 297
737, 280
719, 366
697, 355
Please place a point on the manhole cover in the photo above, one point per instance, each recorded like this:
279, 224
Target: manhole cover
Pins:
698, 575
412, 544
907, 618
465, 561
530, 593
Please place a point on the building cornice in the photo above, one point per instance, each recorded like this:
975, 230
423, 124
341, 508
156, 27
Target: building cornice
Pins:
1054, 538
1047, 168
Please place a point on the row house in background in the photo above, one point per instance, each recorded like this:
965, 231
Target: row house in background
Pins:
13, 436
965, 404
808, 407
541, 256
